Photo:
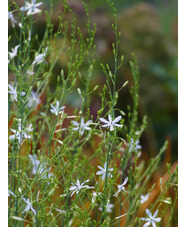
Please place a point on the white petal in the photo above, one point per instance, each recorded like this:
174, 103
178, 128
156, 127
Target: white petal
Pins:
117, 119
155, 214
75, 123
103, 176
11, 87
125, 181
82, 121
157, 219
75, 129
148, 213
147, 224
12, 137
100, 172
143, 219
24, 8
33, 210
117, 125
104, 121
107, 125
109, 118
101, 168
111, 128
153, 223
38, 4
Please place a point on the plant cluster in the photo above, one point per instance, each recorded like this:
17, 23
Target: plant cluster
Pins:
66, 166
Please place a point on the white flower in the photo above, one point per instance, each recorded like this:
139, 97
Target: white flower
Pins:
111, 123
94, 196
77, 187
13, 92
11, 17
151, 219
102, 171
20, 24
40, 168
56, 109
31, 7
82, 126
30, 71
109, 207
33, 100
28, 206
35, 163
20, 134
13, 53
134, 146
144, 198
121, 187
39, 58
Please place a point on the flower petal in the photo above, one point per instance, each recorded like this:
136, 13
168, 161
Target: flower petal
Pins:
148, 213
155, 214
117, 119
103, 120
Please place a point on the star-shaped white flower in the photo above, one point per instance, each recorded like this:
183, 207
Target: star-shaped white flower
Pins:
31, 7
134, 146
56, 109
121, 187
102, 171
11, 17
109, 207
95, 194
77, 187
13, 53
144, 198
28, 206
13, 92
39, 58
151, 218
19, 134
111, 123
40, 168
81, 126
33, 100
35, 163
